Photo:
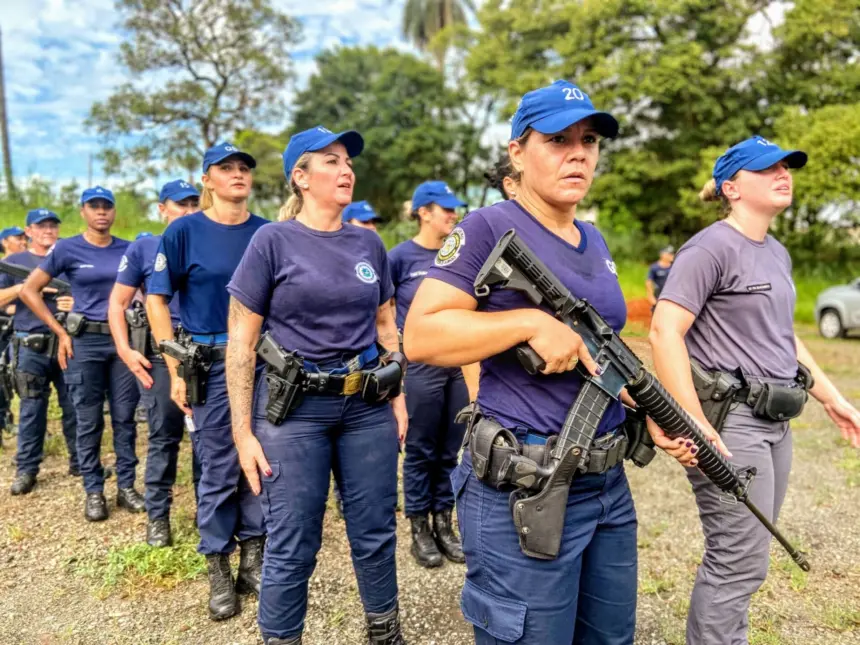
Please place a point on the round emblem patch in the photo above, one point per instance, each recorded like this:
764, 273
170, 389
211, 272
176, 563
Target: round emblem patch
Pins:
451, 247
123, 264
160, 262
611, 266
365, 272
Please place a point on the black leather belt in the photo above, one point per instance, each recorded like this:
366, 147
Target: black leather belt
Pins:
217, 353
95, 327
338, 384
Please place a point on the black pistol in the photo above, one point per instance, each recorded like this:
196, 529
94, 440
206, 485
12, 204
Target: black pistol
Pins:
193, 366
285, 375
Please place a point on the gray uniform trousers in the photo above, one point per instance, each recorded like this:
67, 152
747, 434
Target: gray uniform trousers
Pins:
736, 556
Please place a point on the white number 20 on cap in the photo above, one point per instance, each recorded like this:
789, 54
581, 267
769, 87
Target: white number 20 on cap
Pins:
571, 93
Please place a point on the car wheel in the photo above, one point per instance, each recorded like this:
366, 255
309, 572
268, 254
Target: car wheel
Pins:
830, 324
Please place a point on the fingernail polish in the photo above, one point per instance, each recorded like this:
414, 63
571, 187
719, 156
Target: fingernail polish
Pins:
694, 450
689, 443
268, 473
599, 371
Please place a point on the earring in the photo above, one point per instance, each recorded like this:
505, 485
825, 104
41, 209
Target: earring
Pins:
304, 186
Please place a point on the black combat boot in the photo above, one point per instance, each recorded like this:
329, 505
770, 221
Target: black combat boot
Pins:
95, 508
223, 601
423, 545
384, 629
158, 533
295, 640
130, 499
74, 470
23, 484
250, 565
447, 541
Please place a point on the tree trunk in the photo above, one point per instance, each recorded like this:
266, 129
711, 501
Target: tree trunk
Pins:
4, 131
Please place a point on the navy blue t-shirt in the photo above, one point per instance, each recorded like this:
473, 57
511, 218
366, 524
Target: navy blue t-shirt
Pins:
507, 392
409, 264
137, 265
25, 319
196, 259
319, 291
90, 269
658, 275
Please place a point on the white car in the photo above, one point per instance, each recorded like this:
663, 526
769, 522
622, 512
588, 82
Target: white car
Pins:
837, 310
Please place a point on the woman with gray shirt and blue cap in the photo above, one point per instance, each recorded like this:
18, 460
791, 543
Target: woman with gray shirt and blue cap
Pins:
728, 308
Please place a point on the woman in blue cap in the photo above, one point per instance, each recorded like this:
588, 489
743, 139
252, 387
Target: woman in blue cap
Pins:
434, 395
588, 593
731, 283
361, 214
166, 420
196, 257
36, 366
92, 366
13, 240
323, 290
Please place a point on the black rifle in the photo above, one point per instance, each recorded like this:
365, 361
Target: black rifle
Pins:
18, 271
512, 265
285, 376
194, 365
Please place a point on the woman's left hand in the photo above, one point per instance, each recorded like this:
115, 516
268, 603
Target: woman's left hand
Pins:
401, 416
847, 419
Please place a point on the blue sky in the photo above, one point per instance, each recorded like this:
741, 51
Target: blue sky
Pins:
60, 56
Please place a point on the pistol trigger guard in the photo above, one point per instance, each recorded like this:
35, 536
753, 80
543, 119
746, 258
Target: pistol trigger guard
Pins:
483, 291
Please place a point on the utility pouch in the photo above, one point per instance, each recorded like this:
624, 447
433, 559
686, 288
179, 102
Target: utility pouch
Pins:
640, 446
36, 342
384, 383
29, 386
779, 403
491, 447
75, 323
716, 392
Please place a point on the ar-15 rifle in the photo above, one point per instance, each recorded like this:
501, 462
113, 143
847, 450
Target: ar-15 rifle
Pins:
18, 271
512, 265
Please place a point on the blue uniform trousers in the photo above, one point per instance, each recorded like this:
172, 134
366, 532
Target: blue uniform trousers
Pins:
166, 425
38, 372
434, 395
96, 371
325, 434
586, 596
227, 510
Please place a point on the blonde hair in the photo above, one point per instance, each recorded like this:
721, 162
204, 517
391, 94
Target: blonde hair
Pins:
206, 199
709, 194
295, 202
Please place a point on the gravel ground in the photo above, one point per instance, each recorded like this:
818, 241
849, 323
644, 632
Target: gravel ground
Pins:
58, 584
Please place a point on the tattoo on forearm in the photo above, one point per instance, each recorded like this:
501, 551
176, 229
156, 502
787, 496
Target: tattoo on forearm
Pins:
240, 371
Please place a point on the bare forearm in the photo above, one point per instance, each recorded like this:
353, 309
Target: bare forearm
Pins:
116, 317
387, 336
672, 365
161, 325
9, 294
472, 376
455, 337
825, 391
32, 297
244, 332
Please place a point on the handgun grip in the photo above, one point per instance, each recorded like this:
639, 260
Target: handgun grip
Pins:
529, 359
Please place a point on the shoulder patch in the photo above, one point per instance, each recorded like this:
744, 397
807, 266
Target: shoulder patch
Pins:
451, 247
160, 262
612, 268
123, 264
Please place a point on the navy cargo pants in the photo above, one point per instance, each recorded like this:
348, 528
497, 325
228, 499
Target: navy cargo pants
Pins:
325, 434
434, 395
586, 596
227, 510
34, 374
95, 372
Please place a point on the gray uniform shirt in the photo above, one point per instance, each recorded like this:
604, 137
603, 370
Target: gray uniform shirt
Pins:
743, 297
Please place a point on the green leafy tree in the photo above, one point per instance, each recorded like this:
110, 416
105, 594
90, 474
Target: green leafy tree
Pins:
682, 76
415, 127
201, 70
424, 19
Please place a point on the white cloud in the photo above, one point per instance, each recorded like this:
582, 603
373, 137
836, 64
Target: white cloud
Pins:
60, 57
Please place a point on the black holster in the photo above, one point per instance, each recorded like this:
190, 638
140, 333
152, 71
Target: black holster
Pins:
640, 445
7, 379
195, 361
30, 386
716, 392
75, 323
138, 329
285, 376
384, 382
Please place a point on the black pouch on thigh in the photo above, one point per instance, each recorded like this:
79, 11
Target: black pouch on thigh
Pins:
779, 403
29, 386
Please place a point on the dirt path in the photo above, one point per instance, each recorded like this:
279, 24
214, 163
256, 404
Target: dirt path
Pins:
67, 581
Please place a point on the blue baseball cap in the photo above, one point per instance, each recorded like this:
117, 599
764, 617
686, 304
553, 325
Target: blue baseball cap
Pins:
38, 215
11, 231
362, 211
435, 192
222, 151
316, 139
553, 108
177, 191
754, 154
97, 192
142, 234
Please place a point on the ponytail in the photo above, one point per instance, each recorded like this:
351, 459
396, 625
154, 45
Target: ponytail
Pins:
206, 200
709, 191
295, 202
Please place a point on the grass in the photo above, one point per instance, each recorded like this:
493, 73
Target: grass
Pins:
841, 618
15, 533
137, 567
850, 463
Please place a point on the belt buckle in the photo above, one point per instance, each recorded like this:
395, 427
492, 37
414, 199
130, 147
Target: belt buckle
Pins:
352, 383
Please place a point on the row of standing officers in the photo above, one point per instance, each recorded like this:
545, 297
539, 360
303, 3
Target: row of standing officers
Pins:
220, 279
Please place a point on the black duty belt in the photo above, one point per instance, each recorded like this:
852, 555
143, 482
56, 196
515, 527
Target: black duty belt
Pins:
328, 383
95, 327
